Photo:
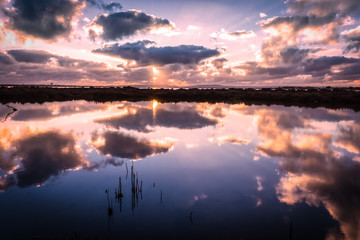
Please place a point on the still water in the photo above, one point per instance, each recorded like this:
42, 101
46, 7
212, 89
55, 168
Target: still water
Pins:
187, 170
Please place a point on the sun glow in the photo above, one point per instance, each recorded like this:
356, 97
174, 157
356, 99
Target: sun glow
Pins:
155, 73
154, 105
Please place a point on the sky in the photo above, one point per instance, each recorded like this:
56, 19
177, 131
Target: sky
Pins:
158, 43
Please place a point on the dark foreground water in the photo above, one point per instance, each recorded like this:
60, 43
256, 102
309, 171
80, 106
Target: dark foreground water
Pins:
188, 171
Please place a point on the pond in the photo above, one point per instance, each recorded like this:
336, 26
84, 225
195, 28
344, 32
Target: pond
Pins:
187, 171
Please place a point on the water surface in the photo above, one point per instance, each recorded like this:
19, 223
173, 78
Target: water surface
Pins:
203, 171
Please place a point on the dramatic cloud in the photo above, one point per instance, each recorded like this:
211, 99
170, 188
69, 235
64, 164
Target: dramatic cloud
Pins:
46, 19
118, 25
236, 35
41, 67
144, 118
300, 47
143, 55
309, 24
125, 146
309, 18
44, 155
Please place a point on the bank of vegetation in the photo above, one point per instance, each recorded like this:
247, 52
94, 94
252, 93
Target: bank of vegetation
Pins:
289, 96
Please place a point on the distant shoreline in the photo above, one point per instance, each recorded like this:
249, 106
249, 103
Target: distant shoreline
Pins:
289, 96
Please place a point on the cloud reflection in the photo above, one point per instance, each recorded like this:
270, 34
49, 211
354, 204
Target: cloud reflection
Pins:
350, 137
44, 155
33, 157
312, 171
121, 145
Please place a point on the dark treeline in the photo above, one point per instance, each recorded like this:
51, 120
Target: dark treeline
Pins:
289, 96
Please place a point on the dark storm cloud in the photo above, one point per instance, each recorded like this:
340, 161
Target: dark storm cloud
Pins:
6, 59
185, 54
124, 146
46, 19
325, 63
30, 56
44, 155
123, 24
145, 118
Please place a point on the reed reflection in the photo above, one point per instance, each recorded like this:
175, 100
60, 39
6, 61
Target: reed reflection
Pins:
125, 146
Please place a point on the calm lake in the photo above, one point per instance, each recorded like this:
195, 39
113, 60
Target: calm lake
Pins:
187, 170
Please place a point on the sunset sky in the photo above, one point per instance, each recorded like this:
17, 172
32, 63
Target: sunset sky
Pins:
163, 43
